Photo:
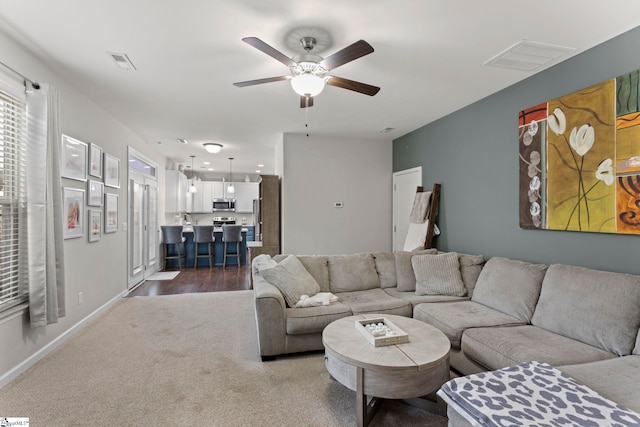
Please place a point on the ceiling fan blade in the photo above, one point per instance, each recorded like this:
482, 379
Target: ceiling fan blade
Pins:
306, 101
276, 54
348, 54
353, 85
260, 81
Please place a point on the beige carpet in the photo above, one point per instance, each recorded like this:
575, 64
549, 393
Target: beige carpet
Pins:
185, 360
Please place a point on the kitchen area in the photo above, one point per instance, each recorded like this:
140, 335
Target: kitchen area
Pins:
252, 204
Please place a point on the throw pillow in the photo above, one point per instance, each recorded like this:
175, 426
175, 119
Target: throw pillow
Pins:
292, 279
262, 261
470, 268
405, 276
438, 275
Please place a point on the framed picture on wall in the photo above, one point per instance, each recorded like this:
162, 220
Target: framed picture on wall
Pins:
111, 171
110, 213
96, 191
73, 159
95, 225
95, 160
73, 212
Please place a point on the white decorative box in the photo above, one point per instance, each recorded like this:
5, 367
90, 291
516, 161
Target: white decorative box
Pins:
381, 331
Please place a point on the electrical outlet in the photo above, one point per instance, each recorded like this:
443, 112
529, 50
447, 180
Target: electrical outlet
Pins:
80, 298
337, 204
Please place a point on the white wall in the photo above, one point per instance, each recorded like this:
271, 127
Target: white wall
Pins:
98, 270
318, 171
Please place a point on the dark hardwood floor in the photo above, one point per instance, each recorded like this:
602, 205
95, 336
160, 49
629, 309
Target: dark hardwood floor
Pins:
203, 279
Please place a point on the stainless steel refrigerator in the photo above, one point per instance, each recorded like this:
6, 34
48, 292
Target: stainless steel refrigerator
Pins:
257, 220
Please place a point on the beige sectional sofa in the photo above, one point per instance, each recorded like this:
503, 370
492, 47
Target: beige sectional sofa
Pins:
584, 322
364, 283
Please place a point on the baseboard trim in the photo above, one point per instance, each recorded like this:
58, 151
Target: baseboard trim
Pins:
31, 360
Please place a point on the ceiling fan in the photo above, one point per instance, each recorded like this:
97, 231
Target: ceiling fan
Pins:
309, 72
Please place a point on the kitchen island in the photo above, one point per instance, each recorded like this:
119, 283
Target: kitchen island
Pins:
218, 247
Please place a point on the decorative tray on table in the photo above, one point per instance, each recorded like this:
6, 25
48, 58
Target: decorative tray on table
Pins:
381, 331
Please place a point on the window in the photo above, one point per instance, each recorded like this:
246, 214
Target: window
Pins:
13, 122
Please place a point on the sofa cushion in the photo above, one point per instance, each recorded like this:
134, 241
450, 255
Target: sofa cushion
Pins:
599, 308
375, 301
499, 347
314, 319
405, 277
470, 268
352, 273
616, 379
438, 275
455, 317
292, 279
510, 286
317, 266
386, 268
419, 299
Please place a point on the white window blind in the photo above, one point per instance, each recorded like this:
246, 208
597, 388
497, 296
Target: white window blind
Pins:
13, 123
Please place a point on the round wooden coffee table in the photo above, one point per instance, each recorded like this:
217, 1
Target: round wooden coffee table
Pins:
398, 371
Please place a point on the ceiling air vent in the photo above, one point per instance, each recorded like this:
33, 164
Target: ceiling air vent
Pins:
122, 60
529, 56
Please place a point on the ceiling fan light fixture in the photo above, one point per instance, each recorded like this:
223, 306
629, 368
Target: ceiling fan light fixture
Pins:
306, 84
212, 147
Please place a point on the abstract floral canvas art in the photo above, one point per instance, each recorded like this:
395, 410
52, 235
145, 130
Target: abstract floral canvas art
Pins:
580, 160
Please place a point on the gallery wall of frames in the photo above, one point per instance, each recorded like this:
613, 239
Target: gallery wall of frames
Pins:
93, 210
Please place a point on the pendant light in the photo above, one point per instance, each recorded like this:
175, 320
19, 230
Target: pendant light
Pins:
192, 187
230, 188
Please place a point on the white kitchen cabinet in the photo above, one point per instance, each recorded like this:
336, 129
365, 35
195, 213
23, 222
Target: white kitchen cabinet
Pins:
245, 193
207, 196
175, 184
201, 199
218, 190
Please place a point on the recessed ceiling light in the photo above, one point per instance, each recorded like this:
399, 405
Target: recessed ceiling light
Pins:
387, 129
210, 169
206, 163
258, 171
260, 166
182, 141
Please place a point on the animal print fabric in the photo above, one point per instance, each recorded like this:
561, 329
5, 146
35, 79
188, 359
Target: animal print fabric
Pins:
532, 394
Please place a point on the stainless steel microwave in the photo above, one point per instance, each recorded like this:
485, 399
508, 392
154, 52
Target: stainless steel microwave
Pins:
224, 205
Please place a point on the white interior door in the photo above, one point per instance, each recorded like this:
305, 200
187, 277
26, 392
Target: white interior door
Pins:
142, 213
137, 226
405, 184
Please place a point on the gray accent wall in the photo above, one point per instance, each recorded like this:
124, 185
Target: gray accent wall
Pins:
473, 153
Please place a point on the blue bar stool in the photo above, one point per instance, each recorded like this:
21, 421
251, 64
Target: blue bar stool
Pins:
231, 234
203, 234
172, 235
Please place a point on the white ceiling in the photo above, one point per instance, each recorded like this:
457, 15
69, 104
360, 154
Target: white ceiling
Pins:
428, 61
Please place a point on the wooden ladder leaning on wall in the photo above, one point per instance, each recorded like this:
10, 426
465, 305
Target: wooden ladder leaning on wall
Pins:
432, 215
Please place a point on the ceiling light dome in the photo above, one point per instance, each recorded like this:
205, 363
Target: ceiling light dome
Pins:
306, 84
212, 148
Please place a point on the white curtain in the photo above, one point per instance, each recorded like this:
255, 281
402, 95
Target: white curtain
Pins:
44, 207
